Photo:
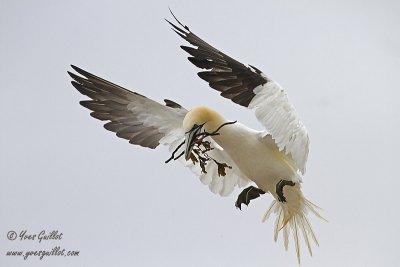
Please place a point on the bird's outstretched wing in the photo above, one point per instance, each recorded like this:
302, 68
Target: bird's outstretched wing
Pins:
147, 123
249, 87
131, 116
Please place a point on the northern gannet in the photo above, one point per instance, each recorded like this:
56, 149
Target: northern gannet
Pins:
273, 159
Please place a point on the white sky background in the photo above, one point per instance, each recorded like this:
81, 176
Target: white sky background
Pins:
120, 205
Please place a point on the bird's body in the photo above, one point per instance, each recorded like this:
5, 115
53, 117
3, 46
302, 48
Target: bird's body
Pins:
223, 154
255, 153
259, 159
257, 156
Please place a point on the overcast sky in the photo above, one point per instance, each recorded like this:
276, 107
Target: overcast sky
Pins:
120, 205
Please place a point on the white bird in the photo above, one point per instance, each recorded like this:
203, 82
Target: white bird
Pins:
273, 159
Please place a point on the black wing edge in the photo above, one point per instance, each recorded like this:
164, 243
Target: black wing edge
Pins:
233, 79
108, 102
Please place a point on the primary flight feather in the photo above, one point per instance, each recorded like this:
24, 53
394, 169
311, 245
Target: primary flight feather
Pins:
224, 154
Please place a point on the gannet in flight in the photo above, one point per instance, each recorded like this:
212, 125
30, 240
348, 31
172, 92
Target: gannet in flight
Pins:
273, 159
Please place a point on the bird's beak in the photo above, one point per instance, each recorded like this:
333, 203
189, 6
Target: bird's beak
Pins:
190, 140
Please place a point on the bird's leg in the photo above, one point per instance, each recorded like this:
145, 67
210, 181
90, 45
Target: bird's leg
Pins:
248, 194
279, 189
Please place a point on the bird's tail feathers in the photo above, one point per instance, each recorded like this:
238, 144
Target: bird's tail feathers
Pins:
293, 218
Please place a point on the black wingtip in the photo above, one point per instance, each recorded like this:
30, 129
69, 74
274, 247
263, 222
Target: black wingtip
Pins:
171, 104
70, 74
238, 206
184, 26
79, 87
75, 68
75, 77
79, 70
82, 72
176, 28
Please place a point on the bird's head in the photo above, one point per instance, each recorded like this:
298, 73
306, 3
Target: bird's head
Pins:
197, 120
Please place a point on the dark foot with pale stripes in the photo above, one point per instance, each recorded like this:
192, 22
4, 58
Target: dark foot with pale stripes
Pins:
279, 189
248, 194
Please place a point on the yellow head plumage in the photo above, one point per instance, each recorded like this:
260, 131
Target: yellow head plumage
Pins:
197, 120
203, 116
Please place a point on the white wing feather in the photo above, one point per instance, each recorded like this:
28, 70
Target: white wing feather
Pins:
275, 113
222, 185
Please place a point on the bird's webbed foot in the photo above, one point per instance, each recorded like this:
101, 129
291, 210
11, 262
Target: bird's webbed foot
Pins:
248, 194
279, 189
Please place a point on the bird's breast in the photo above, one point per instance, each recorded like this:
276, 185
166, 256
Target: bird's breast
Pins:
260, 161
